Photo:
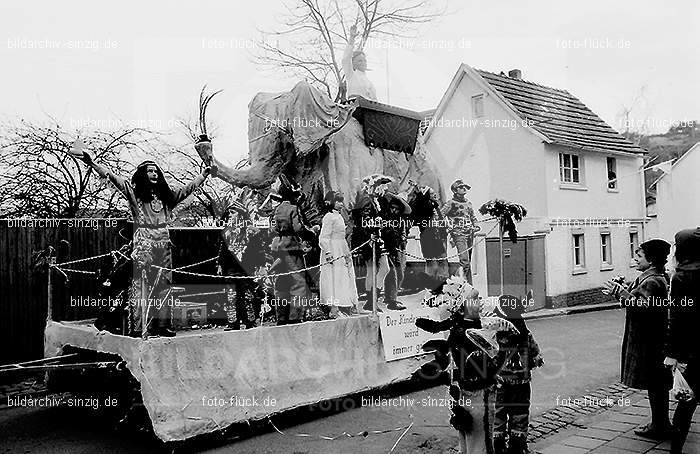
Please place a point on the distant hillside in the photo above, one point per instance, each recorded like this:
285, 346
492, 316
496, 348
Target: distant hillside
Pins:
671, 145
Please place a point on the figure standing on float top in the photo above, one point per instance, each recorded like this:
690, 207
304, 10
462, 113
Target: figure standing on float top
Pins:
151, 201
354, 63
462, 224
426, 214
292, 293
337, 283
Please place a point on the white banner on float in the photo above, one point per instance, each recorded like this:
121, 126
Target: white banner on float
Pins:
400, 335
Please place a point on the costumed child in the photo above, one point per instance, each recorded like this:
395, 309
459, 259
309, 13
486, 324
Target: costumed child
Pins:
151, 201
471, 351
337, 283
519, 354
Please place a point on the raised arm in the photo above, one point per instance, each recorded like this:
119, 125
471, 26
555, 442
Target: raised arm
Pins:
182, 193
119, 182
346, 62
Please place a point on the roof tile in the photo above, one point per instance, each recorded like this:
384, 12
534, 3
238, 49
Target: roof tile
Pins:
559, 115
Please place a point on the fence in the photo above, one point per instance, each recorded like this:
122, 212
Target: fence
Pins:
23, 282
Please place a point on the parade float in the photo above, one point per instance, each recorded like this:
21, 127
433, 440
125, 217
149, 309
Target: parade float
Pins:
202, 381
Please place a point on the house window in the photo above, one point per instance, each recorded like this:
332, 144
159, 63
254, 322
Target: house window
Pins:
478, 106
569, 168
578, 250
634, 243
611, 166
605, 249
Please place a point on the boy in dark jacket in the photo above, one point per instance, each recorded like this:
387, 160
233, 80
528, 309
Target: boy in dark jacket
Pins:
519, 354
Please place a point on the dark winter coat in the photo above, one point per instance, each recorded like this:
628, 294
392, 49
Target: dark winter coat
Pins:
645, 327
683, 339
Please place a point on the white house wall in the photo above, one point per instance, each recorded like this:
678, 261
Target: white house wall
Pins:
678, 196
596, 201
563, 278
495, 155
591, 212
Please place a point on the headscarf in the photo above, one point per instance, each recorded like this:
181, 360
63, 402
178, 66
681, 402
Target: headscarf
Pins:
688, 250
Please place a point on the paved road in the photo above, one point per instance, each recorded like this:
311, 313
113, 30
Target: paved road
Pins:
582, 353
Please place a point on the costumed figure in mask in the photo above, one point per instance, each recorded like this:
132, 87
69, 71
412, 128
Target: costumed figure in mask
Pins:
470, 352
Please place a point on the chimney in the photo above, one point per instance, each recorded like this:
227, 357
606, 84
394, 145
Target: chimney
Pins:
515, 74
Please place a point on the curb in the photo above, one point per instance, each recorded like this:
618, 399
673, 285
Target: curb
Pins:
547, 313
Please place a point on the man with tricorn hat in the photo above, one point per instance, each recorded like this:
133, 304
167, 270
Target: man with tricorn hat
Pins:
366, 214
462, 224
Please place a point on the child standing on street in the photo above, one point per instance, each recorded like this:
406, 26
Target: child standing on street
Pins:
519, 354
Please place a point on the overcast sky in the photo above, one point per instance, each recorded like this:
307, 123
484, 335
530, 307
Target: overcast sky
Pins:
145, 61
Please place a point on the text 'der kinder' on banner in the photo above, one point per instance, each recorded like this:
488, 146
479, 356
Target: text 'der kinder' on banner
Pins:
400, 335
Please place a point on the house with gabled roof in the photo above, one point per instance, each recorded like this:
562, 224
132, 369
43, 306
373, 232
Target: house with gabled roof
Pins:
543, 148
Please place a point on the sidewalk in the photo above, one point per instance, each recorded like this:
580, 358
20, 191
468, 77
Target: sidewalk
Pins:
580, 309
612, 432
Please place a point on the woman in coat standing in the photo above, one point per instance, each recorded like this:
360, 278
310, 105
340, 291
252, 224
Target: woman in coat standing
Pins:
645, 301
337, 283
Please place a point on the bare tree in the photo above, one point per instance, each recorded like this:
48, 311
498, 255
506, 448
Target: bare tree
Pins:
633, 117
315, 32
211, 203
40, 178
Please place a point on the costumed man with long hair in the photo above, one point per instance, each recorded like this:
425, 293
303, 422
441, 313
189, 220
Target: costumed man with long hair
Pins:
288, 249
151, 201
426, 214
